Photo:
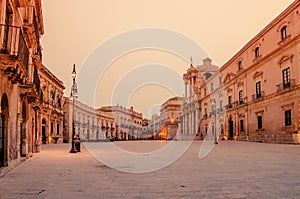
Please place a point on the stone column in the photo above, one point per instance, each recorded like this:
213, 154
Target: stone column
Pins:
192, 121
185, 89
190, 89
186, 123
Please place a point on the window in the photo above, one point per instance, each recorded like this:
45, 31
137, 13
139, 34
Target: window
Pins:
8, 20
213, 109
51, 128
205, 112
286, 78
257, 52
283, 32
211, 86
230, 101
220, 80
258, 90
259, 122
241, 97
207, 75
240, 66
242, 125
57, 129
288, 117
221, 105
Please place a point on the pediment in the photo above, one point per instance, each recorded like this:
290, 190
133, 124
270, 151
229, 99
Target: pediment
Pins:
285, 58
258, 74
240, 83
229, 76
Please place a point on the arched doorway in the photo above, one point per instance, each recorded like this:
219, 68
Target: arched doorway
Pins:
3, 130
230, 125
23, 132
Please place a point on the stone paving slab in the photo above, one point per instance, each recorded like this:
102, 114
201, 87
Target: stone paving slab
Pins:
232, 170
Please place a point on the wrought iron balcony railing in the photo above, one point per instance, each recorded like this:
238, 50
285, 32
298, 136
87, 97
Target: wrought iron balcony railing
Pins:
258, 95
12, 43
229, 106
283, 86
240, 102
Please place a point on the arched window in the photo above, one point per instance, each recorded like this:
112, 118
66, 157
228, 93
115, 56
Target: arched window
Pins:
207, 75
240, 65
283, 32
257, 52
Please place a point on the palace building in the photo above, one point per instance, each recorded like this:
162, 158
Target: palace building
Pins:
170, 116
128, 123
255, 95
86, 124
51, 112
107, 122
21, 26
262, 84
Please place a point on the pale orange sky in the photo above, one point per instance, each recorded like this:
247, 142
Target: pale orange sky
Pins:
73, 28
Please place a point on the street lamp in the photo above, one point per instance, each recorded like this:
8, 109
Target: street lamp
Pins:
215, 126
73, 94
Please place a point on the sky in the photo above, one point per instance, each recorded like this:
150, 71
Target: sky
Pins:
74, 31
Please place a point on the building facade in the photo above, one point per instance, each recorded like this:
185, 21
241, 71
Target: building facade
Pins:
197, 99
21, 26
128, 122
51, 113
86, 123
171, 116
155, 125
255, 95
105, 123
262, 83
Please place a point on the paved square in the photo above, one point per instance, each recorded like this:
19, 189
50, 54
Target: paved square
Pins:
232, 170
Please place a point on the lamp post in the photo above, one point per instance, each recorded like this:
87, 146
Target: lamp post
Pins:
215, 126
73, 94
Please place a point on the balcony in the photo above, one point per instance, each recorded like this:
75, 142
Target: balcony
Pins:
33, 90
239, 103
258, 96
287, 85
12, 43
229, 106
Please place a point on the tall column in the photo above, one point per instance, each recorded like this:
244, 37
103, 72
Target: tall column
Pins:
192, 122
190, 88
183, 123
186, 123
185, 89
197, 119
